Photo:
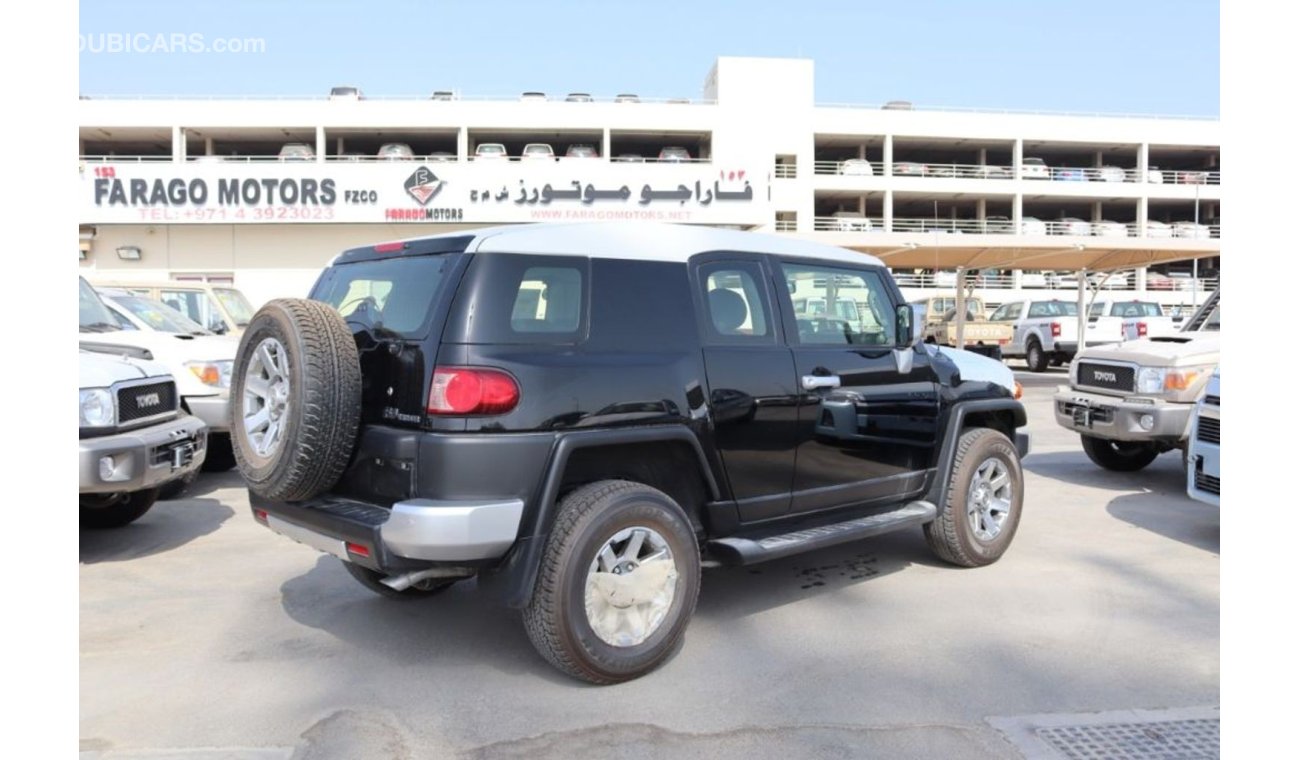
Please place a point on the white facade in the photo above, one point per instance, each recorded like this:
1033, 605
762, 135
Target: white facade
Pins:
924, 190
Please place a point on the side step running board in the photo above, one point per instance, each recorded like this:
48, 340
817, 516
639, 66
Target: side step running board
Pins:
747, 551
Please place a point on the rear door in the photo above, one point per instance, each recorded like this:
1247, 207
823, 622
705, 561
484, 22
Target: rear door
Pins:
867, 423
752, 394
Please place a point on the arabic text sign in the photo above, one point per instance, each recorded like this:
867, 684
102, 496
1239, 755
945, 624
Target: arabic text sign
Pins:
414, 191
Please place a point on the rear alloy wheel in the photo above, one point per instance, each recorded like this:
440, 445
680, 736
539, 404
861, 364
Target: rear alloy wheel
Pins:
1035, 357
117, 509
295, 399
1120, 456
618, 582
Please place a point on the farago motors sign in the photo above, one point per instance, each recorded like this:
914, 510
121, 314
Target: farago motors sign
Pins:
234, 192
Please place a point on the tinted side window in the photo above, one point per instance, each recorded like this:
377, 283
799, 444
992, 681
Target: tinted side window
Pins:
735, 303
509, 298
862, 312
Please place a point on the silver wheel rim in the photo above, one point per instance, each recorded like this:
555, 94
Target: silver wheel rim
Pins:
266, 397
630, 586
988, 500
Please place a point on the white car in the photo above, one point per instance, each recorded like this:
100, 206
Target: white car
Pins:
1155, 176
1107, 228
537, 152
1203, 446
1191, 230
851, 221
533, 97
1034, 168
297, 152
395, 152
1154, 229
345, 92
1110, 174
1030, 225
1072, 226
856, 167
200, 365
491, 152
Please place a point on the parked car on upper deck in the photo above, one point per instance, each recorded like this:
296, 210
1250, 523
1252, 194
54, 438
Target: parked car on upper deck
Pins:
345, 92
1070, 174
898, 105
909, 169
533, 97
851, 221
442, 95
297, 152
1108, 228
1034, 168
581, 150
395, 152
491, 152
1071, 225
1192, 230
537, 152
578, 97
674, 154
626, 97
856, 167
1030, 225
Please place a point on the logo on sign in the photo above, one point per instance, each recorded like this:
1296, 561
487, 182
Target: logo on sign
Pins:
423, 185
147, 399
1108, 377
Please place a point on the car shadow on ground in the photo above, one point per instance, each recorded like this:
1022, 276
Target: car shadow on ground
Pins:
1075, 468
1192, 522
168, 525
463, 625
207, 482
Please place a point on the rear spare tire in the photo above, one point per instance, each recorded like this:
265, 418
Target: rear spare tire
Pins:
295, 399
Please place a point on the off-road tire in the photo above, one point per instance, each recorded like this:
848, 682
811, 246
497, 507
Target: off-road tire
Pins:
556, 618
950, 536
1119, 456
1035, 357
105, 511
323, 407
371, 580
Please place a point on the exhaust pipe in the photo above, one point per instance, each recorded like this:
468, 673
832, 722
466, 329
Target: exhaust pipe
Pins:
407, 580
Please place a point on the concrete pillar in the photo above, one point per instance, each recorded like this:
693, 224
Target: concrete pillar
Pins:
1017, 212
889, 155
1144, 160
984, 157
981, 207
889, 206
862, 151
178, 144
209, 148
862, 205
462, 144
604, 144
1142, 212
1141, 279
1099, 160
1017, 155
338, 146
1096, 211
321, 145
1017, 278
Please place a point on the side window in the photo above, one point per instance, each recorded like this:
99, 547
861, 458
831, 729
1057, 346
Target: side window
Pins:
736, 303
122, 321
862, 313
1002, 314
1096, 309
1039, 309
1016, 308
549, 300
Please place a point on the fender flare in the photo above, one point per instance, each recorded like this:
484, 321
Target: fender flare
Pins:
511, 582
957, 415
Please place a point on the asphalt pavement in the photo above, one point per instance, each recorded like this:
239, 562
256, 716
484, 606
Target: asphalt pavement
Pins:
204, 635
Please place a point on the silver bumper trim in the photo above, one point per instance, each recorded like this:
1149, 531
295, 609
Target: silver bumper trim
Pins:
452, 530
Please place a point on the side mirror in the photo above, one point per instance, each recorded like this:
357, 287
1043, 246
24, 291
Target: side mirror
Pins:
909, 324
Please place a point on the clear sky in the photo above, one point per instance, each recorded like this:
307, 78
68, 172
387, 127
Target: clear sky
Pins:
1131, 56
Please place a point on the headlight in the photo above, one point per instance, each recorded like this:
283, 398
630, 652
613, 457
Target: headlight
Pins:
1168, 381
97, 408
216, 374
1151, 380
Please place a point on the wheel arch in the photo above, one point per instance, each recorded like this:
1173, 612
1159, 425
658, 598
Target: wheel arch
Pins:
653, 456
1004, 415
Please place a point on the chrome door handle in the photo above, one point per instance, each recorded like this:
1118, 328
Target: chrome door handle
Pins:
813, 382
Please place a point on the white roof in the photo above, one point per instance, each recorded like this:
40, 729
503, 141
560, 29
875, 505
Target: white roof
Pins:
647, 241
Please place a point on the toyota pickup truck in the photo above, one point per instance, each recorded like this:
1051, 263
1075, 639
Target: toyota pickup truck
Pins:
1133, 401
978, 334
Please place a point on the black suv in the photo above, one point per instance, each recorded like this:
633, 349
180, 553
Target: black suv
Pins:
583, 416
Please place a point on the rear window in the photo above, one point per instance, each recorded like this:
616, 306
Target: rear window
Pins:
1053, 309
512, 299
385, 296
1131, 309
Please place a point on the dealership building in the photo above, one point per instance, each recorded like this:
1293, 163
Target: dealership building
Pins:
195, 188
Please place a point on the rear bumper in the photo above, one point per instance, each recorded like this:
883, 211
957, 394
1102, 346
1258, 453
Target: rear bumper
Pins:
409, 535
142, 458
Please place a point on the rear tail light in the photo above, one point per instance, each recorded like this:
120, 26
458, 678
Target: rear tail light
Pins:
1142, 329
389, 247
472, 390
1056, 329
359, 550
260, 515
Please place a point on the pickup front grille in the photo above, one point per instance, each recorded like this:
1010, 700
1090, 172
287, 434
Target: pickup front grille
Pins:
1207, 483
1111, 377
1207, 429
1211, 400
141, 402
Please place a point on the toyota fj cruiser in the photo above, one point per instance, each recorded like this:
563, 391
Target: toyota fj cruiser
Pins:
582, 416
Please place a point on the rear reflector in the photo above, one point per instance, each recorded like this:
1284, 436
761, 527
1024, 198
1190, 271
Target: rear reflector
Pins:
358, 549
472, 390
260, 515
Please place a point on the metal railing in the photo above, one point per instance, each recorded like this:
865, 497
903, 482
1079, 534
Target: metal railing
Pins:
787, 225
1030, 112
1004, 226
784, 171
1051, 280
848, 224
425, 97
853, 167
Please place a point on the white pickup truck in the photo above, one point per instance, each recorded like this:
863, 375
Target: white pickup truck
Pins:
1131, 319
1045, 332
